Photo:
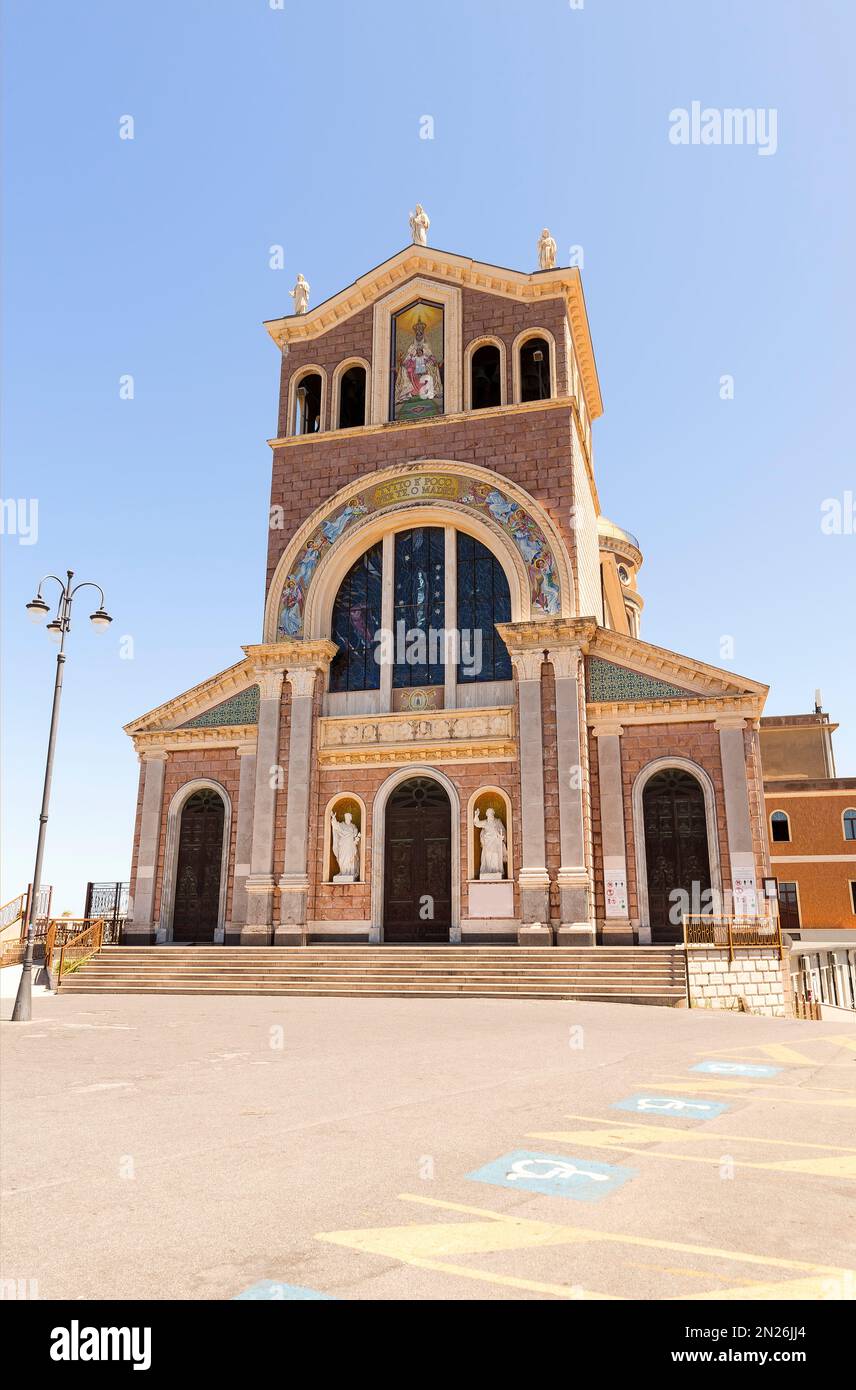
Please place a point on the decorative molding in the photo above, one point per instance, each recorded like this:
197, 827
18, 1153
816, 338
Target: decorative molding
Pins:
288, 441
478, 735
672, 667
170, 860
711, 820
528, 288
159, 742
194, 701
691, 711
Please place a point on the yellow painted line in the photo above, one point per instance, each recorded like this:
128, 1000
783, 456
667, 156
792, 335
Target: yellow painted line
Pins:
574, 1234
644, 1134
780, 1052
842, 1167
574, 1291
728, 1088
788, 1289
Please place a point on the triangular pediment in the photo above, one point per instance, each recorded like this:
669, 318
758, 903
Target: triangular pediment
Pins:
229, 699
622, 669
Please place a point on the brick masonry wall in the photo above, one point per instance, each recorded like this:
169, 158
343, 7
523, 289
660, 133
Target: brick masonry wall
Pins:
757, 977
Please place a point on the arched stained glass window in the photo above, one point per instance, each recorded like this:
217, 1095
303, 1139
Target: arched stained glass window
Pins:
419, 618
356, 619
483, 601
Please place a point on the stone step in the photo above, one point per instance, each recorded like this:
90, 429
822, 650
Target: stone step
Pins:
662, 997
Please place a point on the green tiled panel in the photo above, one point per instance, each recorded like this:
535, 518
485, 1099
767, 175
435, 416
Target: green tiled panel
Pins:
242, 708
608, 682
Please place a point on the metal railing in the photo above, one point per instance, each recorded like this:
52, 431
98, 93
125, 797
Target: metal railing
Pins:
734, 933
79, 948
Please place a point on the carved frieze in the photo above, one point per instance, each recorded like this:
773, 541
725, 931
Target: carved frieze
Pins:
441, 735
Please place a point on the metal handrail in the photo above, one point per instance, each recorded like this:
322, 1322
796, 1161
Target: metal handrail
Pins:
8, 917
733, 933
87, 943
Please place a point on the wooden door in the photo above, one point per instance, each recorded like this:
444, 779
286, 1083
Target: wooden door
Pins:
418, 863
675, 848
197, 876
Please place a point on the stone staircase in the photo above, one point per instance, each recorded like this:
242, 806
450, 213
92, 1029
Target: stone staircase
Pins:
621, 975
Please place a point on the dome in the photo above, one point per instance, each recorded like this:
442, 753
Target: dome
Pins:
615, 538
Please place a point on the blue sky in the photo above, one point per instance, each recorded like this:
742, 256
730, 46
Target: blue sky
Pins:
257, 126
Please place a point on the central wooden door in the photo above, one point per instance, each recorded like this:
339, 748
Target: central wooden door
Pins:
675, 849
417, 896
197, 875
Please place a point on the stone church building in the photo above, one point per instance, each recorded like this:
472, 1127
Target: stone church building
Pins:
450, 728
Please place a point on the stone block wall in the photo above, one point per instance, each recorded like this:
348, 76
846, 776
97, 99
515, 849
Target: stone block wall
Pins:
758, 977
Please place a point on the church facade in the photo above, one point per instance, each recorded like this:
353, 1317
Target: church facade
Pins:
451, 729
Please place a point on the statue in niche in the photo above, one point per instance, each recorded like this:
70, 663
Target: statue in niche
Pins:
546, 251
346, 838
300, 295
494, 852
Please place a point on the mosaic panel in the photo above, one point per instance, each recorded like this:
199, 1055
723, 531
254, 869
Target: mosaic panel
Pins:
608, 682
242, 708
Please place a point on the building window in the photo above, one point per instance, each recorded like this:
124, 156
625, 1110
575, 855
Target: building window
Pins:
789, 906
486, 377
780, 827
418, 354
307, 404
483, 601
849, 819
535, 370
853, 894
352, 398
356, 619
419, 615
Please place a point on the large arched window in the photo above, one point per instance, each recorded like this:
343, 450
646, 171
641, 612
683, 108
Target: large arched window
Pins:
419, 616
483, 601
356, 620
535, 370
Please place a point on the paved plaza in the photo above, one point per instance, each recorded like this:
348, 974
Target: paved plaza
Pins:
209, 1148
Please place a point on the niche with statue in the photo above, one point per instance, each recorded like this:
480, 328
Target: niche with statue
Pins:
344, 843
490, 866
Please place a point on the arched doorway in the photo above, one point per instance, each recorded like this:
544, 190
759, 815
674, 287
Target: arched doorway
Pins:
676, 848
199, 866
417, 885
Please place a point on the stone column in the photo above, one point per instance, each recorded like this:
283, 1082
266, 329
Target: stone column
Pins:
259, 884
575, 885
142, 929
616, 926
243, 841
741, 850
294, 883
534, 881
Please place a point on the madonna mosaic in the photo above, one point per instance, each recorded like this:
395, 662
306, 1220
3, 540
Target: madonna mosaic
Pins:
417, 362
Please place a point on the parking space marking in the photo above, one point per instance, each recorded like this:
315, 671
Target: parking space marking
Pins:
840, 1166
429, 1246
579, 1179
655, 1133
272, 1290
735, 1069
728, 1087
674, 1106
789, 1056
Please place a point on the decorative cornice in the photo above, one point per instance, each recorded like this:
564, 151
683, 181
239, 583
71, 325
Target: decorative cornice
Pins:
548, 634
412, 261
674, 668
460, 416
441, 735
159, 742
194, 701
689, 711
287, 655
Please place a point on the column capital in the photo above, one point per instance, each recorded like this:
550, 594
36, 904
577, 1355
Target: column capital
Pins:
302, 681
566, 661
729, 721
154, 755
269, 683
527, 664
316, 653
607, 729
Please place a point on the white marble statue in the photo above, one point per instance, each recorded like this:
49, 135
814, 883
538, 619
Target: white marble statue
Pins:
494, 852
300, 295
546, 251
346, 838
419, 224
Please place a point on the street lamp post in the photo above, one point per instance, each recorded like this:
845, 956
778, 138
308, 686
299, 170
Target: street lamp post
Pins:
38, 609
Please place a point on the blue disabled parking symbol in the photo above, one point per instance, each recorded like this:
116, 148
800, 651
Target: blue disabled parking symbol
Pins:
677, 1107
553, 1175
735, 1069
271, 1289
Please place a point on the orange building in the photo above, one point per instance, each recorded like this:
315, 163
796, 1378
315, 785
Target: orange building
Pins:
811, 824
